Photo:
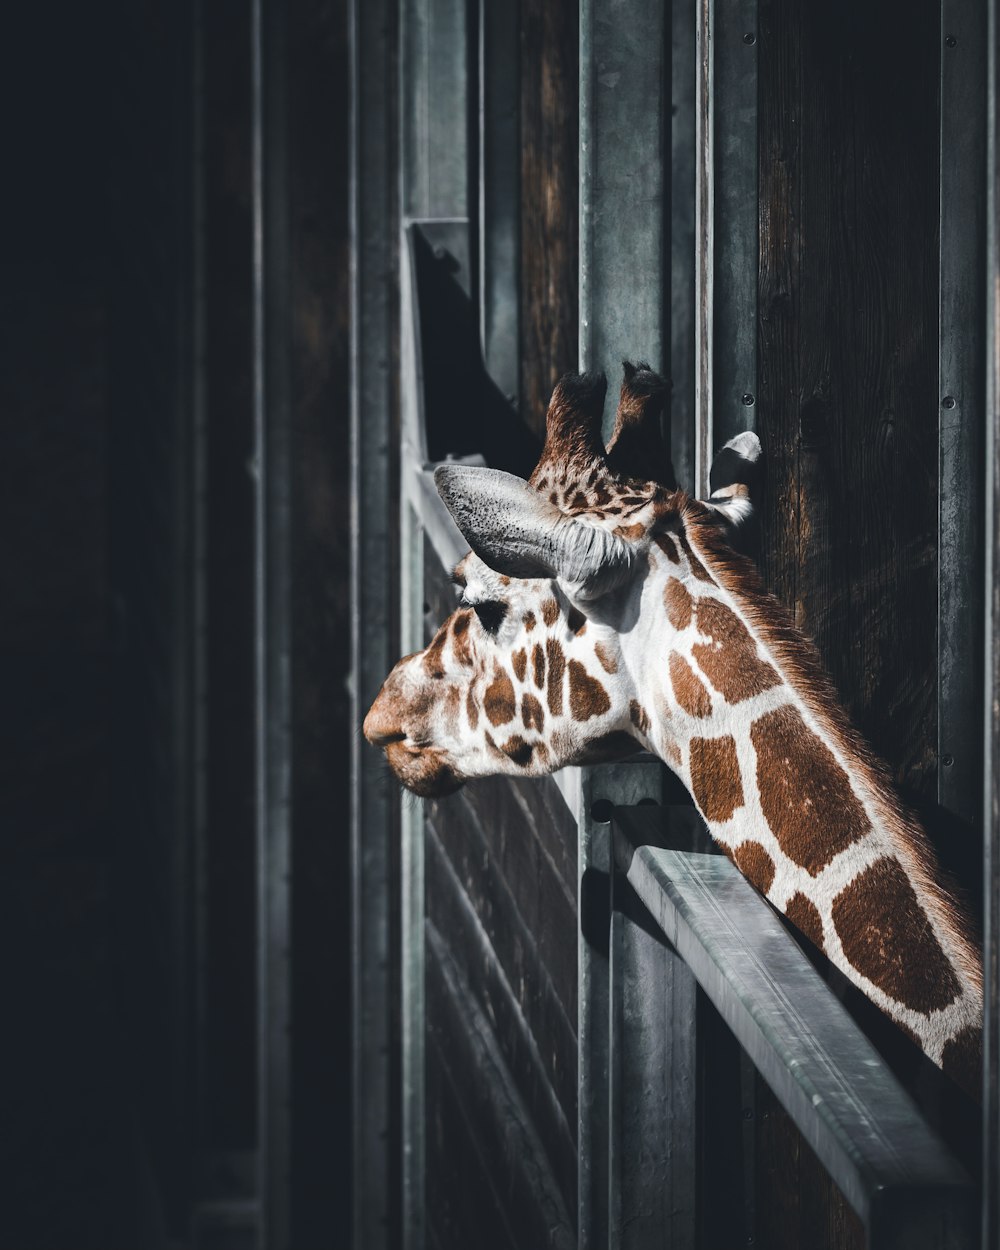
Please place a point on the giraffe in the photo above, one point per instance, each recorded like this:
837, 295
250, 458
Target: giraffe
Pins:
604, 611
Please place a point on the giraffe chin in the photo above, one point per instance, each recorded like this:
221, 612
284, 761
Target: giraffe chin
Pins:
423, 772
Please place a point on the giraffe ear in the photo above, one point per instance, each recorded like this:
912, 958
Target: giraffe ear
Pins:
517, 532
734, 480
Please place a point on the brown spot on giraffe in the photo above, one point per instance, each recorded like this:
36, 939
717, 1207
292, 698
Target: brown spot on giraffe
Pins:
532, 713
755, 864
472, 709
579, 503
804, 793
666, 545
557, 667
518, 750
550, 611
452, 704
460, 638
688, 690
602, 495
639, 717
631, 533
887, 937
587, 697
605, 658
715, 777
730, 660
576, 621
519, 660
499, 703
529, 622
678, 602
538, 665
804, 915
963, 1059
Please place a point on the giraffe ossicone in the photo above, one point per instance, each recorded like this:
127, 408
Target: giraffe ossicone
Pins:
604, 611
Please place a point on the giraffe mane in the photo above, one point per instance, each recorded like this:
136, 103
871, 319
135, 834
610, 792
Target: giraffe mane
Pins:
802, 668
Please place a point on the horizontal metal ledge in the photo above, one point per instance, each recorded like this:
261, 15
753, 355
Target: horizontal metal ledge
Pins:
866, 1130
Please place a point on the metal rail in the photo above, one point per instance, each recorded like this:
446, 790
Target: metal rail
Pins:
893, 1170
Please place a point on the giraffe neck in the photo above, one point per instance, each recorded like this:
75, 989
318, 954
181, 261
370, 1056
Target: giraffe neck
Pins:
739, 708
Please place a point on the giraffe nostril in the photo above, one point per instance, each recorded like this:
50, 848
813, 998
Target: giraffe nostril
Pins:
381, 727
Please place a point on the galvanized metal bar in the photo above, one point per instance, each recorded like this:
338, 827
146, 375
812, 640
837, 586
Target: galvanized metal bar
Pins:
373, 193
591, 794
434, 175
624, 185
272, 429
500, 192
736, 250
727, 249
624, 276
683, 177
990, 1224
891, 1168
961, 379
653, 1086
704, 438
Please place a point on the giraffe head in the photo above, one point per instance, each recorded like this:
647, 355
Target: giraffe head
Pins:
529, 673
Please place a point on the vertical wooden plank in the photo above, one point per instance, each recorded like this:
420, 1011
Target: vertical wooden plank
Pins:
961, 379
374, 249
272, 447
991, 720
847, 408
549, 198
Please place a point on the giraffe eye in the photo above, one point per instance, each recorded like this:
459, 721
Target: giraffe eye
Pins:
491, 613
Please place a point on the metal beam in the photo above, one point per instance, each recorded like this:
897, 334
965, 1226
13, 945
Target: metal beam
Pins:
892, 1169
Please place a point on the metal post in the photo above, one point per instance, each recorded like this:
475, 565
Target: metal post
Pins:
625, 136
727, 229
433, 187
499, 192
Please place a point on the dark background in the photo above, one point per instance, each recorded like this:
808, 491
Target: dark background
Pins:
128, 1090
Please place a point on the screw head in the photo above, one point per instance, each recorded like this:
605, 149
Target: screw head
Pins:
749, 38
601, 811
949, 401
950, 41
748, 400
947, 760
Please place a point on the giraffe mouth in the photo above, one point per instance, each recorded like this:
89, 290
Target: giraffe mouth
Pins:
422, 770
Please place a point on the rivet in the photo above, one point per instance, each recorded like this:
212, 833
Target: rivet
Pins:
601, 810
748, 400
749, 38
950, 41
747, 1113
947, 760
948, 401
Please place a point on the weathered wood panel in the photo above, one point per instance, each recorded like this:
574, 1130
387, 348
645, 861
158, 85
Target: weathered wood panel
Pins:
847, 412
